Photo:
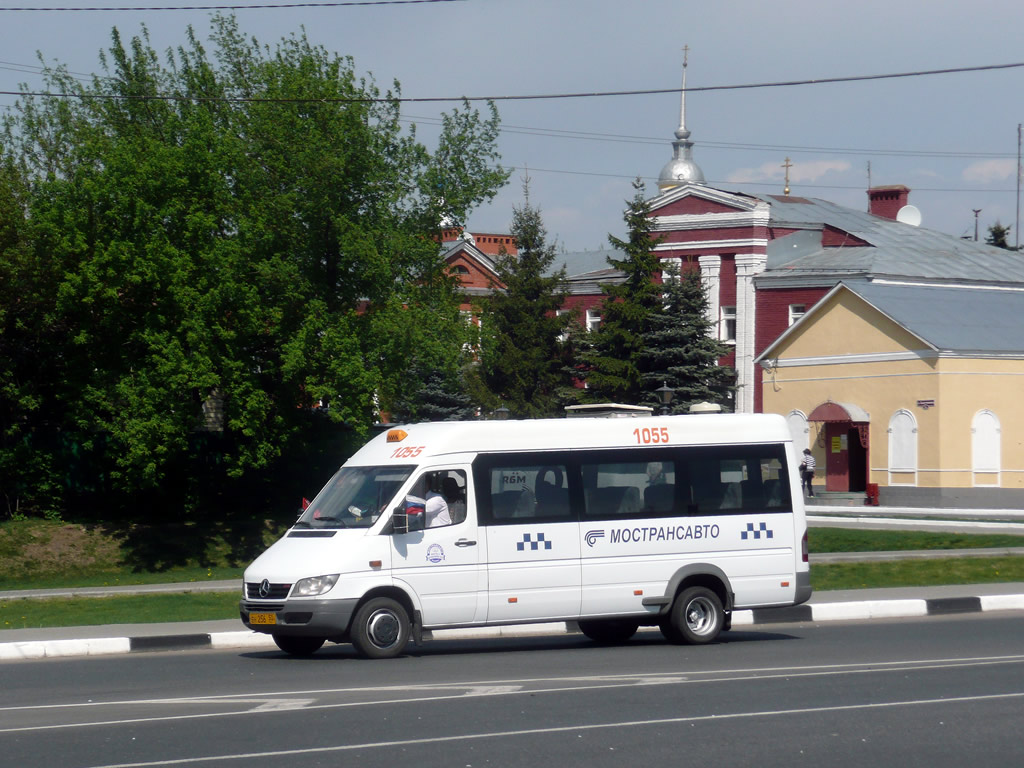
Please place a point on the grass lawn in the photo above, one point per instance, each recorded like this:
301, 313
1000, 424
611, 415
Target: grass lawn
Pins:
129, 609
827, 540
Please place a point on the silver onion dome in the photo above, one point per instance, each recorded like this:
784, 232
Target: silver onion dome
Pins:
681, 169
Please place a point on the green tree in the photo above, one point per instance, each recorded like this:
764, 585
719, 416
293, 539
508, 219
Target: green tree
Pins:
433, 395
999, 236
679, 349
28, 432
258, 233
613, 370
522, 358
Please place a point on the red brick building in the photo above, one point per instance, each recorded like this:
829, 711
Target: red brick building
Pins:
767, 259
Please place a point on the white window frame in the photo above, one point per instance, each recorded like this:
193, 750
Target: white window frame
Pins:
986, 448
727, 322
593, 320
903, 440
796, 311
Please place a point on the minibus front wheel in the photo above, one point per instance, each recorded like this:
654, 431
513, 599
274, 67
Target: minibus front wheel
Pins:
380, 628
697, 617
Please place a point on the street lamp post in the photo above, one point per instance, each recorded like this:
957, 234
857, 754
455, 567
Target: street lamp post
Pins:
665, 394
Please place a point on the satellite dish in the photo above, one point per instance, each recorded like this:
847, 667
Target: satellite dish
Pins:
909, 214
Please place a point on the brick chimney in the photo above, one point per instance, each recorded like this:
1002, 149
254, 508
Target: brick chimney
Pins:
887, 201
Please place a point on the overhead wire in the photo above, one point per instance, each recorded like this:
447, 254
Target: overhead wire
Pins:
234, 7
526, 97
722, 184
594, 136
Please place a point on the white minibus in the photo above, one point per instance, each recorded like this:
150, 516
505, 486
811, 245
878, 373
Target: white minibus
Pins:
671, 521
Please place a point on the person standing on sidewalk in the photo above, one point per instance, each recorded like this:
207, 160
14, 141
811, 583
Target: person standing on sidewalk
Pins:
807, 472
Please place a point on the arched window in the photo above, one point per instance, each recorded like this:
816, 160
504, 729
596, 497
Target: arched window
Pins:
797, 422
986, 448
903, 448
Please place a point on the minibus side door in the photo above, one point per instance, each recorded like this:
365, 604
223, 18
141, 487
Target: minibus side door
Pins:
532, 536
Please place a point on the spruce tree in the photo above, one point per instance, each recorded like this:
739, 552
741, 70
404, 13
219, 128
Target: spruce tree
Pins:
522, 359
613, 371
680, 350
999, 236
435, 395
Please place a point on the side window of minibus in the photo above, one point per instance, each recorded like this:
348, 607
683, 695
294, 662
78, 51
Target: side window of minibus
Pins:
743, 480
529, 491
441, 495
628, 488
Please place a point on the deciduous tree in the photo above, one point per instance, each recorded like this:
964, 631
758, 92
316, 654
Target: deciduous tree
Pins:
254, 230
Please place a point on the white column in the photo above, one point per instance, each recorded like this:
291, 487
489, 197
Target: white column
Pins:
711, 276
747, 266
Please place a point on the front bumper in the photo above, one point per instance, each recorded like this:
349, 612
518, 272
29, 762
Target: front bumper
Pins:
302, 618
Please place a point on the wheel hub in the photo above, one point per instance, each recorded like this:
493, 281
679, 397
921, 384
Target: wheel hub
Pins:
698, 617
383, 629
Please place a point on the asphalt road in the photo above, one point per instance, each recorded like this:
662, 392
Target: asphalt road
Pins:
937, 691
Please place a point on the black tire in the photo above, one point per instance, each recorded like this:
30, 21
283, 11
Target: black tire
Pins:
380, 628
609, 632
697, 617
299, 646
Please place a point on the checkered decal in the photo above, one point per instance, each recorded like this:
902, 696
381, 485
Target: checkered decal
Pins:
533, 545
756, 533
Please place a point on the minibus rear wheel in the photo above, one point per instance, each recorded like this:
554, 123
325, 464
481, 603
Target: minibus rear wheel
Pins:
610, 632
697, 617
380, 628
298, 646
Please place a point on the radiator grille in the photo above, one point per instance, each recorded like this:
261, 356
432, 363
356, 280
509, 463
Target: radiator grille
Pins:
275, 591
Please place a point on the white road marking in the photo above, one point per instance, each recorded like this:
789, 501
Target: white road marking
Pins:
561, 729
635, 677
483, 689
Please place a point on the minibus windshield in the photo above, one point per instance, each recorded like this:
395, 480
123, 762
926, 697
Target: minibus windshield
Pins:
354, 498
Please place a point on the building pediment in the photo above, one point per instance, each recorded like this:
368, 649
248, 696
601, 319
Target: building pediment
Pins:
473, 268
690, 199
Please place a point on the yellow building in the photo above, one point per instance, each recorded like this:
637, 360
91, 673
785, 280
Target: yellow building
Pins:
911, 393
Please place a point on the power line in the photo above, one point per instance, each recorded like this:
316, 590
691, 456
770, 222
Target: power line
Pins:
720, 145
631, 139
767, 183
549, 96
240, 7
528, 130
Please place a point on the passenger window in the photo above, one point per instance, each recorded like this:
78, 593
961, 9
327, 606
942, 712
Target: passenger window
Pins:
629, 488
529, 492
441, 495
732, 485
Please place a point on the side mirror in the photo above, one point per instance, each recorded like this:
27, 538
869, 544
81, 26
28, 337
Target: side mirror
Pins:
400, 520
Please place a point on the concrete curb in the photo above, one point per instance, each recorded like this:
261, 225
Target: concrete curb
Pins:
244, 639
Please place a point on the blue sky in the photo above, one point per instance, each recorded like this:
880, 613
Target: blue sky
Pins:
951, 138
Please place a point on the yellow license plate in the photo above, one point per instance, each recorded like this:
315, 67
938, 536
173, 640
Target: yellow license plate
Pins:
263, 618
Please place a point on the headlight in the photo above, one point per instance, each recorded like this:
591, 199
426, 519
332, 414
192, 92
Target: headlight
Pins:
315, 585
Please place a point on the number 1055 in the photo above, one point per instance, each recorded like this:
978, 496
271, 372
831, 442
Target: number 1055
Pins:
649, 435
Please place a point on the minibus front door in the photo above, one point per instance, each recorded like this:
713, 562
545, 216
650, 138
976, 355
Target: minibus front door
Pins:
444, 564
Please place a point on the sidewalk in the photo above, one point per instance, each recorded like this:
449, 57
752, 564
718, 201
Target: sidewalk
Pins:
840, 605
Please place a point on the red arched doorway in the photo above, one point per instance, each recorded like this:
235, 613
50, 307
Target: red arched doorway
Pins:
846, 445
